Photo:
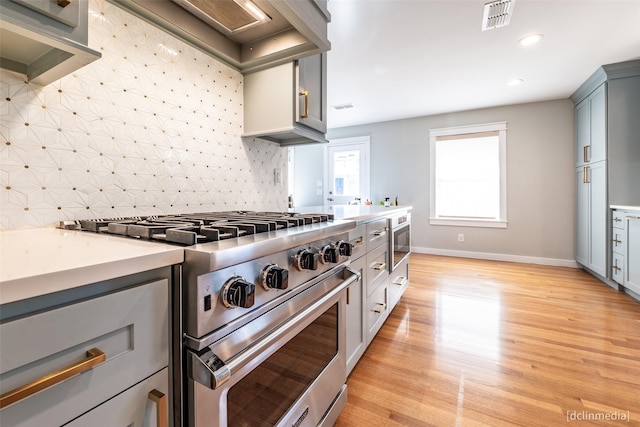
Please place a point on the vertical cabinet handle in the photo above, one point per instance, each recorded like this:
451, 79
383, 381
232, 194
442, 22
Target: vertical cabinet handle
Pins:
585, 175
585, 153
94, 357
348, 294
160, 399
305, 93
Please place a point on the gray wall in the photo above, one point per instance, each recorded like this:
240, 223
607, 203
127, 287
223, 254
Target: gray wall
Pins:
308, 171
540, 181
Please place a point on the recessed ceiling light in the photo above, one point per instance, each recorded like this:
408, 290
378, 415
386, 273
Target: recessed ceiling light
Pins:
515, 82
530, 39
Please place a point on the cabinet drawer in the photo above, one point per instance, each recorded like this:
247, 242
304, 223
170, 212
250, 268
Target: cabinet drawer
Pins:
377, 234
398, 282
132, 407
377, 309
617, 268
618, 240
377, 267
357, 238
131, 327
617, 219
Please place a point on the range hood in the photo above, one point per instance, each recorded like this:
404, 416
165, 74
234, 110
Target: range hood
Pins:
247, 35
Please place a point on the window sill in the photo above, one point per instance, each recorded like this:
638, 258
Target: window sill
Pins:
468, 223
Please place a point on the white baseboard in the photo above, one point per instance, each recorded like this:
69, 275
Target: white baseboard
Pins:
497, 257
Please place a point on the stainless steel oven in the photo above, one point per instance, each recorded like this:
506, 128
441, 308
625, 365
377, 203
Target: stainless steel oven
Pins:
400, 241
286, 367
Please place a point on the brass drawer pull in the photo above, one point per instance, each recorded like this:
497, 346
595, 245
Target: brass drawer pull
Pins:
616, 241
381, 309
94, 358
380, 233
160, 399
617, 219
615, 267
305, 93
400, 281
381, 266
358, 244
632, 217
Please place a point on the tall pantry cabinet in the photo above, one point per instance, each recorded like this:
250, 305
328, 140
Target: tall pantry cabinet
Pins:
607, 158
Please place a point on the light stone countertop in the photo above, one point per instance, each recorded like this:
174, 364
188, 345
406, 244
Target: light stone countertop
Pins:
358, 213
40, 261
625, 208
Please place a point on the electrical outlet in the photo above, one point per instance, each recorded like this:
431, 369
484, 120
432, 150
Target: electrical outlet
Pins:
460, 237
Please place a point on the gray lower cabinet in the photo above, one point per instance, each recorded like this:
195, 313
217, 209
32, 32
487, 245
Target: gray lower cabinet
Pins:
625, 245
371, 299
116, 345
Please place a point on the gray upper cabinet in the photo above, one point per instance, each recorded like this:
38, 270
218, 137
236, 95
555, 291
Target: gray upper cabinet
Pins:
44, 39
288, 103
280, 32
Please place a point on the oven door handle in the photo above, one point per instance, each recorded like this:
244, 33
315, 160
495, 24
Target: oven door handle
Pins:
209, 370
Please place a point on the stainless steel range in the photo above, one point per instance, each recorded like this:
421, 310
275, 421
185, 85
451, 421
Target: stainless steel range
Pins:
259, 311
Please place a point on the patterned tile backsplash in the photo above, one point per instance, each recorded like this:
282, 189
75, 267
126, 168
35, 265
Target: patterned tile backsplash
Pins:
152, 127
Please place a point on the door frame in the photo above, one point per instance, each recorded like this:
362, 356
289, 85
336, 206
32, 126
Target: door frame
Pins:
361, 143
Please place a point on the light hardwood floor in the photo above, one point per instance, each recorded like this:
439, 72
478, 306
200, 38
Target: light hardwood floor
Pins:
484, 343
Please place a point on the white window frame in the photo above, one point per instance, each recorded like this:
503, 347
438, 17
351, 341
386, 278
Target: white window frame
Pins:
501, 128
365, 141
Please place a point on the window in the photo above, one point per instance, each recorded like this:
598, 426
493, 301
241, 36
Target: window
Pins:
468, 175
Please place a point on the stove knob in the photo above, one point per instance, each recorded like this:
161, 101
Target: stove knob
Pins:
237, 292
274, 277
306, 260
345, 248
329, 253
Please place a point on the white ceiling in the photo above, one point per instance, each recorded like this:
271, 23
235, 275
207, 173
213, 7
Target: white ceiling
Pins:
396, 59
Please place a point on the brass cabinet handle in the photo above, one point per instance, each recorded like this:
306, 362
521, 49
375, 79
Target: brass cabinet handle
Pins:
615, 267
585, 150
585, 174
381, 266
358, 244
400, 281
305, 93
632, 217
617, 241
160, 399
617, 219
380, 233
381, 309
94, 358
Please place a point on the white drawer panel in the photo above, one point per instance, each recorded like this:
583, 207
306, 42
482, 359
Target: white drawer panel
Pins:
618, 240
132, 408
617, 219
398, 282
358, 238
377, 267
377, 310
130, 326
377, 234
617, 268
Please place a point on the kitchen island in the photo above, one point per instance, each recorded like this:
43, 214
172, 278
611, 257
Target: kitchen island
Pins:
84, 327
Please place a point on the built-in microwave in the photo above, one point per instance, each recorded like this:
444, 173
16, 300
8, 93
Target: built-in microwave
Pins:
400, 241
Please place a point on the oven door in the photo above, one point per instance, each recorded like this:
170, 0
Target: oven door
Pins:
286, 367
400, 242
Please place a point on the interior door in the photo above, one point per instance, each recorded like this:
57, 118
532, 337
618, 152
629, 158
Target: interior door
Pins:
347, 171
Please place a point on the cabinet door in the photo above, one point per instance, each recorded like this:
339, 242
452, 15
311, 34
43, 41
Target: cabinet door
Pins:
598, 224
632, 259
583, 217
598, 118
356, 333
583, 132
591, 128
312, 93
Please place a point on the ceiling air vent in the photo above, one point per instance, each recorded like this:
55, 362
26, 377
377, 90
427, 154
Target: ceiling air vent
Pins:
497, 14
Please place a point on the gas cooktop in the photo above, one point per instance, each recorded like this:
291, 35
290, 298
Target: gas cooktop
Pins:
190, 229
